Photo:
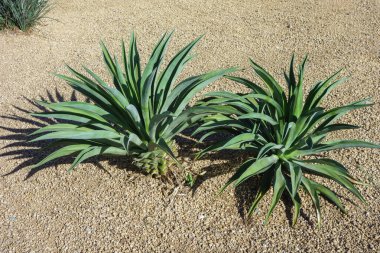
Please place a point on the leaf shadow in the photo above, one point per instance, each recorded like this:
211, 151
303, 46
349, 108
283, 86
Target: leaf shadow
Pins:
31, 153
244, 193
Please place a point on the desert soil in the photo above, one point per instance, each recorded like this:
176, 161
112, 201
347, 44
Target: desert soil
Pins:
106, 206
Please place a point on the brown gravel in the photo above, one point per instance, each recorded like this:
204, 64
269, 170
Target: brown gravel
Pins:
91, 210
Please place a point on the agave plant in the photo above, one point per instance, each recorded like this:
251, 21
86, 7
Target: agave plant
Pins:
138, 116
280, 131
22, 13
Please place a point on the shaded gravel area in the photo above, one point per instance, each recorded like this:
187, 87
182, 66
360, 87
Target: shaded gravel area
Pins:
107, 206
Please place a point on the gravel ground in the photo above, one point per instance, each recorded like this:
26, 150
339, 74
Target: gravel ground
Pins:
116, 209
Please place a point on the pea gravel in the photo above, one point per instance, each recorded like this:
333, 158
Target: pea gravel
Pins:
116, 209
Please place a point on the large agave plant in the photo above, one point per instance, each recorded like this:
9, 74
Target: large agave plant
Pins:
138, 116
280, 131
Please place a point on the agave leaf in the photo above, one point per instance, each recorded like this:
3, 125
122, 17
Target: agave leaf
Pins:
181, 126
297, 208
81, 112
204, 136
191, 115
131, 141
64, 151
298, 92
119, 101
77, 134
84, 106
54, 128
165, 147
326, 192
84, 79
244, 102
334, 114
314, 197
268, 147
295, 176
274, 87
233, 143
292, 84
258, 167
114, 69
225, 97
333, 127
61, 116
238, 173
177, 91
83, 155
136, 121
225, 94
304, 126
265, 184
295, 199
331, 167
154, 123
132, 110
226, 109
88, 91
132, 84
333, 173
292, 186
171, 73
115, 96
259, 116
213, 101
220, 125
108, 59
278, 188
148, 79
122, 82
326, 91
134, 70
290, 134
269, 101
95, 151
95, 93
340, 111
185, 91
328, 146
317, 90
248, 84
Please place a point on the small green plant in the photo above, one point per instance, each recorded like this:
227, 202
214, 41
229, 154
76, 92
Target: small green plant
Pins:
2, 22
279, 131
189, 179
23, 14
138, 117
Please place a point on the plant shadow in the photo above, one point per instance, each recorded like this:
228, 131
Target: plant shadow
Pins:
245, 194
30, 153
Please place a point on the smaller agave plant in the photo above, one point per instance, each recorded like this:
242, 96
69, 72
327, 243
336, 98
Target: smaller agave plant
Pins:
280, 131
23, 14
138, 116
